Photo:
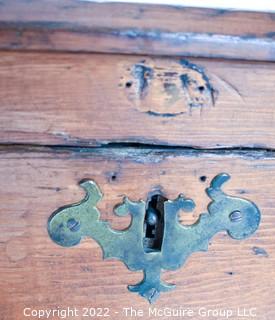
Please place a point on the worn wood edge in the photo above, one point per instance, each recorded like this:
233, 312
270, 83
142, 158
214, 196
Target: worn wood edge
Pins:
142, 154
133, 41
136, 29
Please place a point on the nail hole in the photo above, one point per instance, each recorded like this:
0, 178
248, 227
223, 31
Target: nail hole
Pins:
201, 89
73, 225
113, 177
128, 84
146, 74
235, 216
203, 178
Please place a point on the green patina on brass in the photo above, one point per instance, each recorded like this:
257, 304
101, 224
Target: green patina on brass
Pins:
68, 225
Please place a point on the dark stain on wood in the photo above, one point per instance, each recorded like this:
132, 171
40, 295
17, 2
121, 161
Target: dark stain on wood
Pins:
169, 74
86, 268
270, 34
260, 252
241, 191
218, 12
230, 273
143, 75
164, 115
57, 189
249, 36
112, 176
203, 178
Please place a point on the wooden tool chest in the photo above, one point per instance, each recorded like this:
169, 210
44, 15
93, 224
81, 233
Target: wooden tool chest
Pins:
143, 100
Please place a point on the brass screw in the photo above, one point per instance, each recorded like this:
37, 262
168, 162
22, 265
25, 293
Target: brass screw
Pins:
235, 216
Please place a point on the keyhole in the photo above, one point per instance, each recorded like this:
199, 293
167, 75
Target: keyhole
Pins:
154, 224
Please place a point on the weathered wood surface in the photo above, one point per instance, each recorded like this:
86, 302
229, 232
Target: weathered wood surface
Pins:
36, 273
91, 99
136, 28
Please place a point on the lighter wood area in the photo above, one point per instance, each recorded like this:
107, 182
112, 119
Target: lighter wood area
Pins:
37, 273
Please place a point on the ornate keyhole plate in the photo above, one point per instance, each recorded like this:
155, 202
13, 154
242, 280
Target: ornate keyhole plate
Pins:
155, 239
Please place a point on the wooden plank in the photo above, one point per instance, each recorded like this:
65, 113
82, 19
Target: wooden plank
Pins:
38, 274
91, 99
136, 28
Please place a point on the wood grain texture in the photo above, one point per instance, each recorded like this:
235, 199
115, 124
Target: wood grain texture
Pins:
91, 99
36, 273
137, 29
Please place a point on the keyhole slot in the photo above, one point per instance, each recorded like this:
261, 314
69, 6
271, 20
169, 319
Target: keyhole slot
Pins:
154, 224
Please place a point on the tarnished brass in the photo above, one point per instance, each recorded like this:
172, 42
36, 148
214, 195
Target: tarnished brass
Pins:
155, 240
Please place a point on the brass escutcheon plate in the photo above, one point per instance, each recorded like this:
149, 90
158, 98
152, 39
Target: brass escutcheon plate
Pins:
155, 239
